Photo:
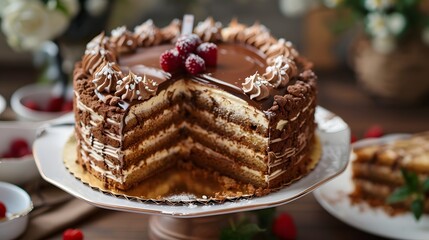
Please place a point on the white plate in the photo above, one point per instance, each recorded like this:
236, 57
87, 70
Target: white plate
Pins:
2, 104
334, 134
333, 196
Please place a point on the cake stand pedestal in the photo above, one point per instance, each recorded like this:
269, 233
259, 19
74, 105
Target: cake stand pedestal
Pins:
203, 228
189, 220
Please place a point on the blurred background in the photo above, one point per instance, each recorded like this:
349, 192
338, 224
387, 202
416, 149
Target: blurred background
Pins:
293, 20
358, 35
371, 58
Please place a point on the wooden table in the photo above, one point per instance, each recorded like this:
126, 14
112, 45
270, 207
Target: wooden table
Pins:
338, 92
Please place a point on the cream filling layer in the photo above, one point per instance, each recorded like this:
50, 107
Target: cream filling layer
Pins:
152, 140
156, 157
228, 144
166, 116
258, 174
230, 127
234, 105
156, 102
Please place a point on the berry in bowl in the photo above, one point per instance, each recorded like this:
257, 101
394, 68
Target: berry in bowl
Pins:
15, 205
37, 102
17, 163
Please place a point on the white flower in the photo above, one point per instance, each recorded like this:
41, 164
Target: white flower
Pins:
384, 44
332, 3
3, 5
425, 35
378, 5
96, 7
377, 24
396, 23
72, 6
27, 24
293, 8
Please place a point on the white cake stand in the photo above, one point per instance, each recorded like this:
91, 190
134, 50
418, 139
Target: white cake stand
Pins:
48, 147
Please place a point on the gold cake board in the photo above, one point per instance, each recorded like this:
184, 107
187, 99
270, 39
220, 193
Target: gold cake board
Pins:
175, 186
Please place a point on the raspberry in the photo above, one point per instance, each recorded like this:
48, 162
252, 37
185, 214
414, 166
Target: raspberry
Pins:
17, 145
375, 131
187, 44
55, 104
208, 52
194, 64
353, 138
67, 106
284, 227
24, 152
7, 155
72, 234
170, 61
31, 105
2, 210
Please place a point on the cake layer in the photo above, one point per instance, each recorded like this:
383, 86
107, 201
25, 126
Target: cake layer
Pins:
376, 194
234, 150
377, 173
140, 112
205, 157
153, 164
377, 169
228, 129
153, 125
229, 107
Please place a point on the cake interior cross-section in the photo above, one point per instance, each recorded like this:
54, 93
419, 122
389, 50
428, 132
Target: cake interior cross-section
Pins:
234, 100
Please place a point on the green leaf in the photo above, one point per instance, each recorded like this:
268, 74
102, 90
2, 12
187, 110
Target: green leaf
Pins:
425, 186
244, 231
265, 217
417, 207
411, 180
249, 230
399, 195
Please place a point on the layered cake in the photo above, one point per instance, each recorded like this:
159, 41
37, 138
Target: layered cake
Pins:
377, 170
231, 99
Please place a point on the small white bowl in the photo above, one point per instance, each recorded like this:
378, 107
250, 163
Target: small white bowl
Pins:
39, 94
2, 104
18, 206
17, 170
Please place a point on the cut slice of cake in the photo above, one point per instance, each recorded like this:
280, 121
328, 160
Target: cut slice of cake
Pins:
249, 116
377, 170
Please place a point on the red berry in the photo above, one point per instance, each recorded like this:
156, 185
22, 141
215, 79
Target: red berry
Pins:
7, 155
72, 234
17, 145
55, 104
374, 131
187, 44
32, 105
67, 106
353, 138
208, 52
194, 64
170, 61
2, 210
284, 227
24, 152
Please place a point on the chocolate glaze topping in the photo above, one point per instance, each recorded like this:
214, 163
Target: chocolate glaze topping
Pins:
237, 60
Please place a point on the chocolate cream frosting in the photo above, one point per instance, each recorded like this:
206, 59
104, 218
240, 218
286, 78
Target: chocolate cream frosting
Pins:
252, 64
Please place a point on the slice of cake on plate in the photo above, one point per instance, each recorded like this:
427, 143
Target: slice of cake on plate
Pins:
377, 170
231, 99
